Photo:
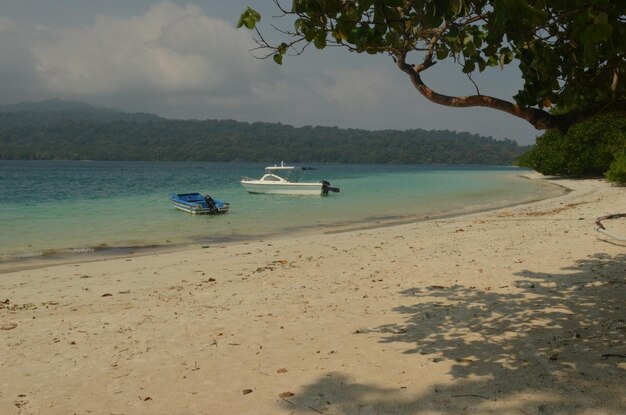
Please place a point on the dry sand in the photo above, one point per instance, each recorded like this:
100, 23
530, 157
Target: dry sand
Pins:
514, 311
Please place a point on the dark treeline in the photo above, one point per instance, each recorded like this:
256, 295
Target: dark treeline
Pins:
82, 132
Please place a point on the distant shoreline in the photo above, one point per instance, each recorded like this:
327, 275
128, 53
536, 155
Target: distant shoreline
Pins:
60, 130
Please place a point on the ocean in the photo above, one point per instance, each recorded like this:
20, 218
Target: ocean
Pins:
62, 208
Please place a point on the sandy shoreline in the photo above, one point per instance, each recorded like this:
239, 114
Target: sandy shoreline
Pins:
519, 310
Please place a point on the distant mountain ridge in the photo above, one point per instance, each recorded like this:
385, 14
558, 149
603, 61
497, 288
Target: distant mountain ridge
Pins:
56, 110
49, 105
57, 129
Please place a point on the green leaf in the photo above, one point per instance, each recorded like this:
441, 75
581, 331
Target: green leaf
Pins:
590, 54
282, 48
597, 32
278, 58
320, 40
442, 53
309, 35
481, 64
456, 6
249, 18
469, 67
299, 26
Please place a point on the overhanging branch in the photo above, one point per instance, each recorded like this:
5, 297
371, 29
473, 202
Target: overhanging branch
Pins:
538, 118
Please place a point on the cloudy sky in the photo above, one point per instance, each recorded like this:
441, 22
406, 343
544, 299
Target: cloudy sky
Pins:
186, 59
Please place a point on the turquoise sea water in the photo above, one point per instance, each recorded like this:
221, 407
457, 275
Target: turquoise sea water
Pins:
60, 207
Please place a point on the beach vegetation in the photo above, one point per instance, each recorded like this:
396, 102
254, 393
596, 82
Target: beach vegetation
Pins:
617, 171
593, 148
571, 54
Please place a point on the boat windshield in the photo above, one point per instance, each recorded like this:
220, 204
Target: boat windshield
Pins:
291, 174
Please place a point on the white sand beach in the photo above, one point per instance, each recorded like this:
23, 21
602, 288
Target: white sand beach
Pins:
519, 310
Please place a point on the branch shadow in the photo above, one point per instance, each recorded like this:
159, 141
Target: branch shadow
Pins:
551, 343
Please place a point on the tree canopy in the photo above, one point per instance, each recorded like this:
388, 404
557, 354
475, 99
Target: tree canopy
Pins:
593, 148
570, 52
59, 130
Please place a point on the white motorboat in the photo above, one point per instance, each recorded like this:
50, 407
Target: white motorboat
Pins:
286, 180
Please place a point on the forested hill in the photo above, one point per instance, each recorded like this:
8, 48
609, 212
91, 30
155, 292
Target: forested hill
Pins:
73, 130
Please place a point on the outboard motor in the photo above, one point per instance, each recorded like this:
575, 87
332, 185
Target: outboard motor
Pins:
210, 203
326, 187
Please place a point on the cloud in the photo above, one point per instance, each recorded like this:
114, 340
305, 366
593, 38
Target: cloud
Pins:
354, 97
169, 49
177, 61
18, 75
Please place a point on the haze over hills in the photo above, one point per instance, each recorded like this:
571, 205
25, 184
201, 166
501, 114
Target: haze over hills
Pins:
57, 129
55, 110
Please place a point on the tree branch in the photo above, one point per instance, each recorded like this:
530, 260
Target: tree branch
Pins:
538, 118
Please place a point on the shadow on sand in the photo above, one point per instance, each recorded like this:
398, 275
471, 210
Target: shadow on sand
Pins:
550, 344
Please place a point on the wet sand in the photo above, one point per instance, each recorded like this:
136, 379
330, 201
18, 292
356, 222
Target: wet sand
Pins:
519, 310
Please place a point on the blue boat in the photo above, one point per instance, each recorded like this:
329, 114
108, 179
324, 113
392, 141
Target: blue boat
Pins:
196, 203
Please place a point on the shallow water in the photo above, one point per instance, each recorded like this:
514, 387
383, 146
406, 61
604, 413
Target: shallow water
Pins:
60, 207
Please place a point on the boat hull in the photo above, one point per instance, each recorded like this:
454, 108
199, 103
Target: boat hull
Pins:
254, 186
199, 211
195, 204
